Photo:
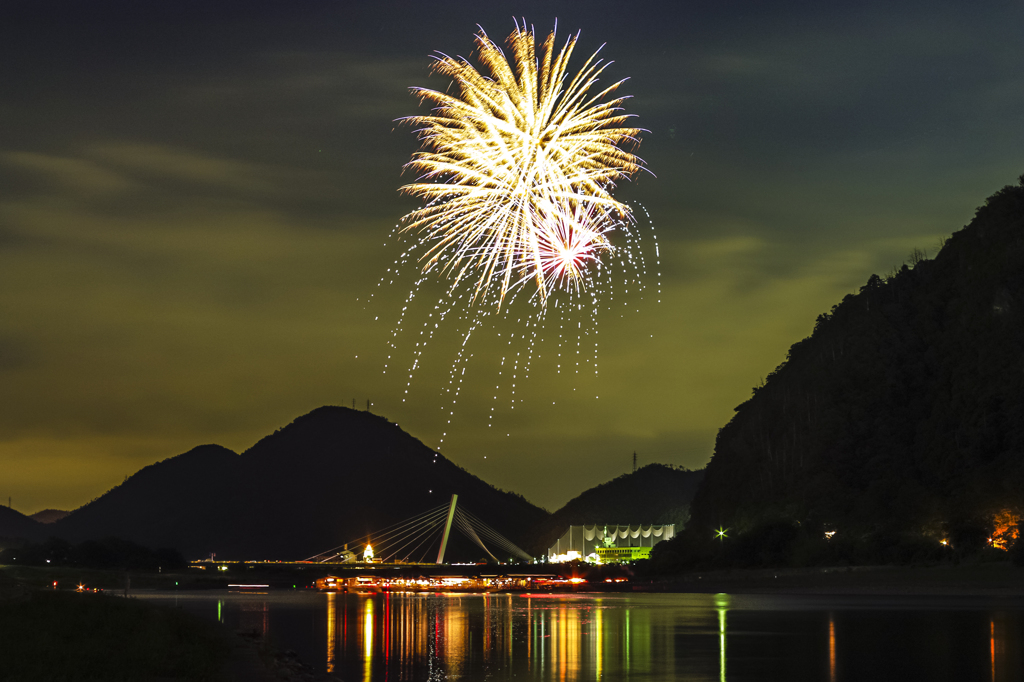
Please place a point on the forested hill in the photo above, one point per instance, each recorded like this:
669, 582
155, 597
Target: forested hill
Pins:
903, 411
15, 527
653, 494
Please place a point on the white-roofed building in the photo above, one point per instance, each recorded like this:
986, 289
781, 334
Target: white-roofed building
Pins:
610, 543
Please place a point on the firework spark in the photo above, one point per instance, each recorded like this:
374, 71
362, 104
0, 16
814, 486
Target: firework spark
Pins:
516, 171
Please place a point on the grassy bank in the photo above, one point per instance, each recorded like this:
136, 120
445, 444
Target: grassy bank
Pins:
62, 635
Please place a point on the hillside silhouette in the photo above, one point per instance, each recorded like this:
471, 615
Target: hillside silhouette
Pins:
329, 477
194, 502
49, 515
901, 414
653, 494
15, 528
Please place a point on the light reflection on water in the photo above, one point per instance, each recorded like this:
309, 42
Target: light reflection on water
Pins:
332, 629
831, 648
625, 637
721, 605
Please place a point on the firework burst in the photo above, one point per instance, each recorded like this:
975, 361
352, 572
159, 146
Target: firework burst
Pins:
516, 170
571, 240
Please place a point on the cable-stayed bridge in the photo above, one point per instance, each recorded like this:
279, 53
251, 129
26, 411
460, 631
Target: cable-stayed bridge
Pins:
413, 540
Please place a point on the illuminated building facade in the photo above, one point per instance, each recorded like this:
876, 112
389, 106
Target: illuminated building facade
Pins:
612, 544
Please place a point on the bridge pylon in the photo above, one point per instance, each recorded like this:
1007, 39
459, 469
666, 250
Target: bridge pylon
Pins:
447, 529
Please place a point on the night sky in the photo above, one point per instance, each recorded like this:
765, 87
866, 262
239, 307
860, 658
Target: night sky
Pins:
196, 202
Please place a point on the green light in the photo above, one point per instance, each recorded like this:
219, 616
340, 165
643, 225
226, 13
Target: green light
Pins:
721, 603
722, 533
627, 639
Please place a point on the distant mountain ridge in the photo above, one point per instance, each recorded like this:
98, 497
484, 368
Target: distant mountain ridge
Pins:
333, 476
653, 494
902, 412
49, 515
327, 478
185, 502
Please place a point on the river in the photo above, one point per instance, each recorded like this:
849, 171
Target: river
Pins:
653, 637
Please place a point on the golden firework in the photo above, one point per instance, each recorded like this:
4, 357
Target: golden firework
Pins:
515, 171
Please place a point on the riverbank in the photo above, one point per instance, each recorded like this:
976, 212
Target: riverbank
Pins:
994, 579
64, 634
966, 579
53, 635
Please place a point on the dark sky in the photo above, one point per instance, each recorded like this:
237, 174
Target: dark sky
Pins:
196, 198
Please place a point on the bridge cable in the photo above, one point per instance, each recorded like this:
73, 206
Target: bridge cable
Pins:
496, 537
468, 531
389, 542
426, 531
389, 530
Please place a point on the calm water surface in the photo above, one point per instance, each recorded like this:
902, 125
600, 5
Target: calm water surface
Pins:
629, 637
